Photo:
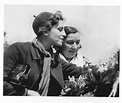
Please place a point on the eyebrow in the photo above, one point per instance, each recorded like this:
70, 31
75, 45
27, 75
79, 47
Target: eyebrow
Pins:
73, 40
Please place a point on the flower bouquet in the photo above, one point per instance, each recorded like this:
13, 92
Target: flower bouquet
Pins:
95, 82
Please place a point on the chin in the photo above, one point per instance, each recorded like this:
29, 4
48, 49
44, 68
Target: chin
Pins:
58, 44
69, 56
72, 55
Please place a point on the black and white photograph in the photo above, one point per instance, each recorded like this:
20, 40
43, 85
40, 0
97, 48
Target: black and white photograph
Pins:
64, 51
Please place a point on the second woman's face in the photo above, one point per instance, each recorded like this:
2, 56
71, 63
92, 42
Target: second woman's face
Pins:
56, 34
71, 45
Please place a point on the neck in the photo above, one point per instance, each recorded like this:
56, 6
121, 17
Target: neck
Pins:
45, 42
68, 59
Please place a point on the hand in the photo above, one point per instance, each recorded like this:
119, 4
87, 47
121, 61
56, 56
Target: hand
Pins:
32, 93
71, 91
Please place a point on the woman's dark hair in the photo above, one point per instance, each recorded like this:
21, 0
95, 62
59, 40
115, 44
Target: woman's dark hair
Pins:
53, 20
45, 21
69, 29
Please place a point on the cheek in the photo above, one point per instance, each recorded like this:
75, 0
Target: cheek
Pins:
55, 33
66, 48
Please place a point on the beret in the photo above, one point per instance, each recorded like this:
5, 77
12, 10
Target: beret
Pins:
40, 20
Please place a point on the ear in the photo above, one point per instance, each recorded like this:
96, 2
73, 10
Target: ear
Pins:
79, 46
45, 33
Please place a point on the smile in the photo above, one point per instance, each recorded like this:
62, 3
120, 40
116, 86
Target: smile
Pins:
72, 52
61, 38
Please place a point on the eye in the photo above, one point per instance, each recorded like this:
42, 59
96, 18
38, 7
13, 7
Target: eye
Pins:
60, 29
77, 42
70, 42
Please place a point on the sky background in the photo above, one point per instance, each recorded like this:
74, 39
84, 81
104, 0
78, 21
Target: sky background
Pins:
99, 25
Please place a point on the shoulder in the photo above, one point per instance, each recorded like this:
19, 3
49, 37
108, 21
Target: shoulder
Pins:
18, 47
78, 60
21, 45
79, 54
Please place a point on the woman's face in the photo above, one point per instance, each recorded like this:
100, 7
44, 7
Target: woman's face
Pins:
71, 45
56, 34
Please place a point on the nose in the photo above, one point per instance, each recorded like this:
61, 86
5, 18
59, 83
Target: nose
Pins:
63, 33
74, 46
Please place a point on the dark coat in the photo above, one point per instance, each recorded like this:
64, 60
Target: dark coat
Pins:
25, 53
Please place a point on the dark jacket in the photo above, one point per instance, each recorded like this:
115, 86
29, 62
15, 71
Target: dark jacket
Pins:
25, 53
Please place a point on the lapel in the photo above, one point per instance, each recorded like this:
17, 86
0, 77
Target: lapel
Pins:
57, 73
35, 63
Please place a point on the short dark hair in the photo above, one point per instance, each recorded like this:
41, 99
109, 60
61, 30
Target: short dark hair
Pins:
45, 21
70, 29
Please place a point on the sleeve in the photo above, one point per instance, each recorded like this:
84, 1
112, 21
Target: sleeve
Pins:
70, 69
12, 56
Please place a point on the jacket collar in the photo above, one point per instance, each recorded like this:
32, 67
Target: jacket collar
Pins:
35, 52
56, 72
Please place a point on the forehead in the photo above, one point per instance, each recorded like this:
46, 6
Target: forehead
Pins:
73, 36
60, 24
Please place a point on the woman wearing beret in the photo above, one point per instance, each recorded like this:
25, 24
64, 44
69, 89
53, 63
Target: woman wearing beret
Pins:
47, 71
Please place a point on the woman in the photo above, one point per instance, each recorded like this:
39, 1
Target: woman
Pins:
71, 45
69, 51
45, 75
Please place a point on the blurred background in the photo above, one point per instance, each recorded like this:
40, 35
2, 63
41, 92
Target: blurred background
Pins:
99, 26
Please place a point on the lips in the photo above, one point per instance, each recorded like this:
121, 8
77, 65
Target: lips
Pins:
72, 52
62, 37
